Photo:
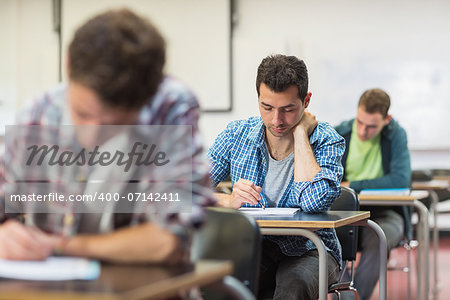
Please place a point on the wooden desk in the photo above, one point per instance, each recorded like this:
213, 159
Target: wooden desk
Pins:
433, 186
422, 232
304, 224
121, 282
330, 219
442, 177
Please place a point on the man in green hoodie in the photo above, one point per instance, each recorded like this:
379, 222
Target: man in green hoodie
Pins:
376, 156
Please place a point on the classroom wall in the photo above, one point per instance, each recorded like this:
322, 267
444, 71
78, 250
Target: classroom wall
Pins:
196, 33
29, 59
349, 46
8, 69
28, 53
333, 37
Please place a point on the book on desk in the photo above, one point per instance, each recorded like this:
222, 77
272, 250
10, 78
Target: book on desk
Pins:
53, 268
399, 191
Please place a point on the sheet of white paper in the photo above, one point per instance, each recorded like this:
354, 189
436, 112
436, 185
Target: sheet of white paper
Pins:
268, 210
53, 268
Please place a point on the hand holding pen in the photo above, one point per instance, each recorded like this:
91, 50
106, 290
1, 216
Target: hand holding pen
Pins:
244, 191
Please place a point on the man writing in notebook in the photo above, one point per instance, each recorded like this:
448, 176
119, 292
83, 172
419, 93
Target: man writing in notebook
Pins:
283, 158
376, 156
115, 71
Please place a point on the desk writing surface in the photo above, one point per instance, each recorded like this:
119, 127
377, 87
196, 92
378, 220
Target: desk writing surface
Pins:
121, 282
442, 177
330, 219
415, 195
432, 184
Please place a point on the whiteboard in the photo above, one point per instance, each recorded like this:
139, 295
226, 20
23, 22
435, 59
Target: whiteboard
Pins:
349, 46
197, 33
402, 48
419, 92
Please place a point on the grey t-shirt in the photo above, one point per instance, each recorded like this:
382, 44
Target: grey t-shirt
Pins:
279, 173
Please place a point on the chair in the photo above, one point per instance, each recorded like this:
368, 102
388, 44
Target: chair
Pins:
230, 235
348, 237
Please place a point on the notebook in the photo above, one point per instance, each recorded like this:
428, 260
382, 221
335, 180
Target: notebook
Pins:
268, 210
53, 268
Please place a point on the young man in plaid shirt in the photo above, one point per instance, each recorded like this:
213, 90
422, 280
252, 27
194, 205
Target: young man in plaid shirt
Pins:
284, 158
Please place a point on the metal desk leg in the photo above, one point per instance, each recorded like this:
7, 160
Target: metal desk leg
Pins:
323, 257
423, 233
383, 256
434, 202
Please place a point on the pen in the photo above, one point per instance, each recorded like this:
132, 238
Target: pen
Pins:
261, 204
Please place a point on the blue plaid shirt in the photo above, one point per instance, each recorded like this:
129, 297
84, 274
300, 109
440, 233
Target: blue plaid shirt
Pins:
238, 151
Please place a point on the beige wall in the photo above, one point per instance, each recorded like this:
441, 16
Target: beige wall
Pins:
29, 49
348, 45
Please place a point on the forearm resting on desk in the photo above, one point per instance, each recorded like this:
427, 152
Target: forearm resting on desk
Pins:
143, 243
223, 200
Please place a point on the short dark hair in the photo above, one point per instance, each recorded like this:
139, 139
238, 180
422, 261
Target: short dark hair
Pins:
375, 101
279, 72
120, 56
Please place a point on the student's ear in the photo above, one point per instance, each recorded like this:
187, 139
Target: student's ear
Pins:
307, 99
387, 119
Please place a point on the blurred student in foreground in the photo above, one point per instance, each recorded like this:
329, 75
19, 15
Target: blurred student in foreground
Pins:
115, 70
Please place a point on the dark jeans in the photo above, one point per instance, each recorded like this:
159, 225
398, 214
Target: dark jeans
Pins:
292, 277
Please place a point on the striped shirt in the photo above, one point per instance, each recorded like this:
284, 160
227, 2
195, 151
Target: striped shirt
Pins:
238, 152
